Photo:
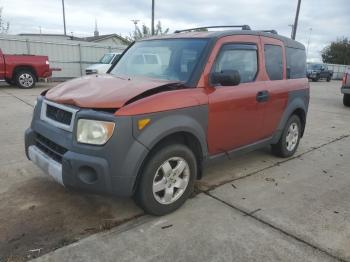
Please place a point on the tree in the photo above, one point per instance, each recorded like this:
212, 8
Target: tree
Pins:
337, 52
145, 31
4, 26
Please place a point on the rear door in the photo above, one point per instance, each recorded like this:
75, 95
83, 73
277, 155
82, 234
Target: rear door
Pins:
276, 84
235, 112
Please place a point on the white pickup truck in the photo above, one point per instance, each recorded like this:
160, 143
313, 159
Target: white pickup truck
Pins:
103, 65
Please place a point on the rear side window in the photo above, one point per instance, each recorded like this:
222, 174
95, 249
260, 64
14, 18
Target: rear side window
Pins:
296, 63
240, 57
274, 61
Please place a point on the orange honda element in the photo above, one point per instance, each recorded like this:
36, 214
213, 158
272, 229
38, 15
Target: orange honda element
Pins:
169, 106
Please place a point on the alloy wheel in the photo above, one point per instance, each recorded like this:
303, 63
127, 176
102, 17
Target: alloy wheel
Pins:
171, 180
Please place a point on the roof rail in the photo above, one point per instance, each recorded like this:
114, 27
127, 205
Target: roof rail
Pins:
270, 31
244, 27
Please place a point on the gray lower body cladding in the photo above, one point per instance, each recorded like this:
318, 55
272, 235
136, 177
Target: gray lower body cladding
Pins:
297, 100
109, 169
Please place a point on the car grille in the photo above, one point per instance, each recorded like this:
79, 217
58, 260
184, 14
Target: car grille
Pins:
59, 115
50, 148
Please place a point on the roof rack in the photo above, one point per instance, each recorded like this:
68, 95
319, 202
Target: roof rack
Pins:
244, 27
270, 31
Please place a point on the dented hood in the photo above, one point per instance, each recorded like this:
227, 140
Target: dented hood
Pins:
101, 91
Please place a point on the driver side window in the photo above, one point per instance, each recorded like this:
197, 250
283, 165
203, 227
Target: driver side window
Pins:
240, 57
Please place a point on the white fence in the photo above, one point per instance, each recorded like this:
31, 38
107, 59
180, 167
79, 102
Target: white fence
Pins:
71, 56
338, 70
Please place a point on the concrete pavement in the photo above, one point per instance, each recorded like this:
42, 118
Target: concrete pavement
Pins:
296, 211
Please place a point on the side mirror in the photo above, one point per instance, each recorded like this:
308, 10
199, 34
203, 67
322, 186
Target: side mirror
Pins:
226, 78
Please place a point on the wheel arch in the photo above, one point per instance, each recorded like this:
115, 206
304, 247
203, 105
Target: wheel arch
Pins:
19, 68
179, 128
302, 116
298, 105
179, 137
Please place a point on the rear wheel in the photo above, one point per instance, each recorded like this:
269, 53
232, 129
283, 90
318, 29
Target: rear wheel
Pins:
25, 79
167, 180
346, 100
289, 141
329, 79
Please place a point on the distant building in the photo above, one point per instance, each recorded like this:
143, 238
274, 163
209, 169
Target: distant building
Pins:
108, 40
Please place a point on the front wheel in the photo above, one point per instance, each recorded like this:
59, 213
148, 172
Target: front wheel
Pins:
289, 141
167, 179
346, 100
25, 79
329, 79
315, 79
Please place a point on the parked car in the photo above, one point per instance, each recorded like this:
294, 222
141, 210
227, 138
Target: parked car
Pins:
103, 65
316, 72
346, 88
24, 70
149, 133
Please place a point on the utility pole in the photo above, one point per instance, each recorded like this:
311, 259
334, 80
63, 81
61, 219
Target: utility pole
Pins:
296, 21
152, 27
64, 18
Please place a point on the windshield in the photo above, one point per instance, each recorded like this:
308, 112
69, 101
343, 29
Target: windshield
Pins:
315, 66
106, 59
169, 59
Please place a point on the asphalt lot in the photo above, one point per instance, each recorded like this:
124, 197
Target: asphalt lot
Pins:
295, 209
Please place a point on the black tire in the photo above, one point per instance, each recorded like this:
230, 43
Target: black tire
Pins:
9, 81
329, 79
144, 195
346, 100
281, 148
25, 79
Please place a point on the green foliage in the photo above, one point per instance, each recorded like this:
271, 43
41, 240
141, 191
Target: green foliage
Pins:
4, 26
337, 52
145, 31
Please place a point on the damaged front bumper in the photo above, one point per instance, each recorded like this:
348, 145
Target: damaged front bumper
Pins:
111, 168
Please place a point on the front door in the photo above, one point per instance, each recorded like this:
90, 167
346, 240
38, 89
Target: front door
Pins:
236, 112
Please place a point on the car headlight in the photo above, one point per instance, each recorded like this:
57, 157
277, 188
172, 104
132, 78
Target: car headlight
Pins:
94, 132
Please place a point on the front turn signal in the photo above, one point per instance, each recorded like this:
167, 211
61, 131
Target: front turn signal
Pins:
142, 123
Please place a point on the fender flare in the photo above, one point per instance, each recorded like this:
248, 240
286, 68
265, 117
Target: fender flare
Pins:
167, 126
296, 104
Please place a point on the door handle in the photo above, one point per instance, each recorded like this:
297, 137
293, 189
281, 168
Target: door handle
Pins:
262, 96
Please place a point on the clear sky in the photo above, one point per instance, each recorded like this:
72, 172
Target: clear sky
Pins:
329, 19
